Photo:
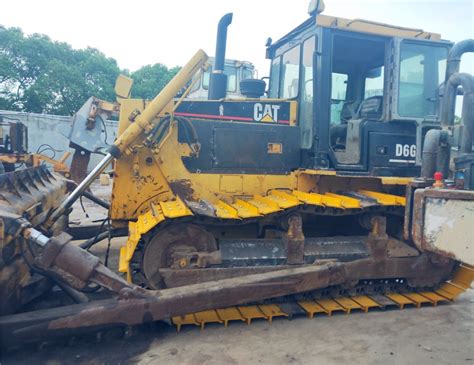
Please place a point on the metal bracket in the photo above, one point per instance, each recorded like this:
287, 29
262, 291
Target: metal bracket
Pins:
294, 241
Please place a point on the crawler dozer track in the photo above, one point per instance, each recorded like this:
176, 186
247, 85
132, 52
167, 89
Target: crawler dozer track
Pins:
334, 221
445, 293
353, 205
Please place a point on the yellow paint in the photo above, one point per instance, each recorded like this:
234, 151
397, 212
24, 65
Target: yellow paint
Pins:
264, 204
123, 86
311, 308
332, 201
433, 297
365, 302
308, 198
275, 148
449, 291
267, 118
399, 299
317, 172
463, 276
346, 202
179, 321
143, 121
283, 199
389, 180
251, 312
348, 304
272, 310
245, 210
144, 195
209, 316
417, 298
229, 314
366, 26
293, 113
123, 263
384, 199
226, 211
328, 305
144, 224
175, 208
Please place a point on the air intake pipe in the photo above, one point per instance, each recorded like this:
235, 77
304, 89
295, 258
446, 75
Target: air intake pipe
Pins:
436, 149
454, 79
452, 67
218, 80
435, 153
449, 99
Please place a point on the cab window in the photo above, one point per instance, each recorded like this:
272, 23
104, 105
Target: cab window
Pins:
247, 73
422, 69
274, 78
338, 95
231, 73
290, 73
306, 98
374, 82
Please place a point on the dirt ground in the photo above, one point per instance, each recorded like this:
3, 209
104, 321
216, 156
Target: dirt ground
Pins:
441, 335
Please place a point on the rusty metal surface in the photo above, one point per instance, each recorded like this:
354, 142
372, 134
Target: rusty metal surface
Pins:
134, 305
70, 264
79, 163
182, 188
294, 241
32, 190
133, 309
409, 196
30, 193
181, 277
442, 223
165, 249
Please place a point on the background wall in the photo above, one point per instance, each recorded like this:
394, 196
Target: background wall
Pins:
53, 130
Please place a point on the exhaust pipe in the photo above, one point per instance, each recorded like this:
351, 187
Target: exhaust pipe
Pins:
218, 80
436, 149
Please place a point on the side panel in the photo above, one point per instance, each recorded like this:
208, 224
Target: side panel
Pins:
391, 148
244, 148
443, 223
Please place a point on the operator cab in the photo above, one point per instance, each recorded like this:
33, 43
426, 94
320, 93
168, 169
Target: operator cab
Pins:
367, 92
236, 71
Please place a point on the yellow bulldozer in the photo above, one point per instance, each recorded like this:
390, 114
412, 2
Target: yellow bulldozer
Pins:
344, 185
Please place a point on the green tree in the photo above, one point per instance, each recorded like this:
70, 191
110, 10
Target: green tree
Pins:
150, 79
42, 76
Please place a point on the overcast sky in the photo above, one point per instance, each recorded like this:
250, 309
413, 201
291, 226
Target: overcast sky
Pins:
139, 32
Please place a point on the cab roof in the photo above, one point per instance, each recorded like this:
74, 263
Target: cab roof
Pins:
354, 25
368, 26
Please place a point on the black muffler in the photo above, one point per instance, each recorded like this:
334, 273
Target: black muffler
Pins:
218, 80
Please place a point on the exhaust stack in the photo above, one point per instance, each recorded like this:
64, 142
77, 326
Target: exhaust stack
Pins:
218, 80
